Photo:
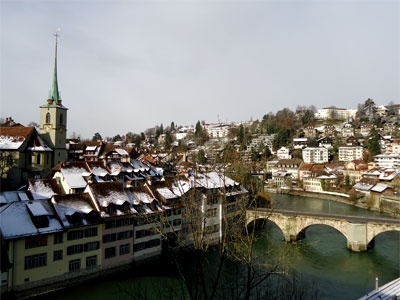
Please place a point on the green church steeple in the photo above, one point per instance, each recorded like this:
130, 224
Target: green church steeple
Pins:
54, 95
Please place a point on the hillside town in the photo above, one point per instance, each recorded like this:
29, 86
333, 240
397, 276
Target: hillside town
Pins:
86, 207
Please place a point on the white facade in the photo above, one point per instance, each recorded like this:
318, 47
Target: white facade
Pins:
336, 113
283, 153
317, 155
299, 143
217, 130
350, 153
393, 147
387, 160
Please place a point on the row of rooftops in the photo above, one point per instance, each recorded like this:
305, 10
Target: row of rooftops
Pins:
42, 209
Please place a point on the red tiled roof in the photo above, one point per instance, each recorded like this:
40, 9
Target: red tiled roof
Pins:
16, 131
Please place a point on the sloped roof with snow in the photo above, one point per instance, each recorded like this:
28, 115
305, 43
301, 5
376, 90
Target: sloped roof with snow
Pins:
362, 186
388, 175
43, 188
12, 196
12, 138
68, 205
16, 222
214, 180
109, 192
74, 176
380, 187
389, 291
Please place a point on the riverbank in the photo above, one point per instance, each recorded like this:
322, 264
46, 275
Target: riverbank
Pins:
321, 261
390, 205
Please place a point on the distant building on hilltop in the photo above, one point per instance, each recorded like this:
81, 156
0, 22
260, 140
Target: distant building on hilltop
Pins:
336, 113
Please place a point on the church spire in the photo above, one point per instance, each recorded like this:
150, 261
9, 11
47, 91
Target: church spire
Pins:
54, 96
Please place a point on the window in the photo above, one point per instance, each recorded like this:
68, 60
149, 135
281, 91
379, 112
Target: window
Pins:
143, 233
58, 238
61, 118
36, 241
124, 235
125, 222
139, 247
38, 156
91, 246
107, 238
154, 243
74, 265
91, 232
91, 261
48, 118
75, 235
111, 224
176, 222
211, 212
74, 249
124, 249
109, 252
35, 261
57, 255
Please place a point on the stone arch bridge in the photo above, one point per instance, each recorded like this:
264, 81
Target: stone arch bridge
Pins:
358, 230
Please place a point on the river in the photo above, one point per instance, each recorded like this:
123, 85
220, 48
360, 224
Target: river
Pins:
321, 264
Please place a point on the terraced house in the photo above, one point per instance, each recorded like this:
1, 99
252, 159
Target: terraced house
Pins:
104, 227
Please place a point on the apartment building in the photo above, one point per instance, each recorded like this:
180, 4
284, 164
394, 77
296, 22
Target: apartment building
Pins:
315, 155
387, 160
350, 153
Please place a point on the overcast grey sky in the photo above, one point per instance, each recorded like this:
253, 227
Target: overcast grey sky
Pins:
130, 65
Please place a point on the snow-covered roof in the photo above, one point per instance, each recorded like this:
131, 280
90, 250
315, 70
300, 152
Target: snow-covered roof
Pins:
36, 209
181, 187
74, 204
121, 152
379, 187
390, 290
12, 196
11, 142
41, 189
15, 221
99, 171
214, 180
166, 193
115, 197
141, 196
362, 186
91, 148
74, 176
389, 175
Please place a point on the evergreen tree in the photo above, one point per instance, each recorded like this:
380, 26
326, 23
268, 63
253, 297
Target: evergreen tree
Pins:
97, 137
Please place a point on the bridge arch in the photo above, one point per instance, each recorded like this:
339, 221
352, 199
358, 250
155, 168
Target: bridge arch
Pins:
267, 219
305, 223
302, 233
376, 233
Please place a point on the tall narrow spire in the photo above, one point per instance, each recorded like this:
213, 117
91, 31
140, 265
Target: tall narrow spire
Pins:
54, 93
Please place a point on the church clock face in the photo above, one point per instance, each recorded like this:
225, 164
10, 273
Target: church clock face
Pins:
47, 128
61, 129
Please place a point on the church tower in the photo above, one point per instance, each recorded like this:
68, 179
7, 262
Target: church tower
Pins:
53, 119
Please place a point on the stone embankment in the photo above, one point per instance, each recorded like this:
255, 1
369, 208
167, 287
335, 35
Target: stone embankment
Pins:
387, 204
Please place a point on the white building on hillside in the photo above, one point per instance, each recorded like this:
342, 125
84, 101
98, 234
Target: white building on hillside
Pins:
387, 160
219, 130
350, 153
336, 113
283, 153
316, 155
